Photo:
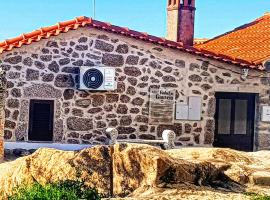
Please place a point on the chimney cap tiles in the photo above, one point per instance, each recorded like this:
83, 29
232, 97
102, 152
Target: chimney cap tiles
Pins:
177, 4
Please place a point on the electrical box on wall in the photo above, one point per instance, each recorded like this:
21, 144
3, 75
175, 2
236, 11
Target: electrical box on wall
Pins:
265, 114
190, 111
195, 104
181, 111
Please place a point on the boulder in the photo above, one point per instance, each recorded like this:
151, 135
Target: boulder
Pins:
50, 165
118, 169
241, 167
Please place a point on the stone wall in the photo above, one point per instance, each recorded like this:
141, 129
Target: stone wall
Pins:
49, 69
2, 111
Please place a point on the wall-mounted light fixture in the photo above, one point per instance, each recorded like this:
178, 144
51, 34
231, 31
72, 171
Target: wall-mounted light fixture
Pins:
244, 74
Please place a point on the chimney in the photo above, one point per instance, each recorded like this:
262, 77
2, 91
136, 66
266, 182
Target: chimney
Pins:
180, 21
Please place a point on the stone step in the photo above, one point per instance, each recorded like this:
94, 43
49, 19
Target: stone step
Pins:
261, 178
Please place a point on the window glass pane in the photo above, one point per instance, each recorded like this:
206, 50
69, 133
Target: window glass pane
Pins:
224, 118
240, 123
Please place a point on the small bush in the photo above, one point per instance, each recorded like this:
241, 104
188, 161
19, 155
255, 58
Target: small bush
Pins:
255, 196
64, 190
261, 198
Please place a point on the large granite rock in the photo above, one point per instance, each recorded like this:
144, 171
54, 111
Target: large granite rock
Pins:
132, 167
240, 167
49, 165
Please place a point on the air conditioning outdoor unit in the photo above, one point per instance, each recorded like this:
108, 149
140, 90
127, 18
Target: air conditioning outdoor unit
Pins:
97, 78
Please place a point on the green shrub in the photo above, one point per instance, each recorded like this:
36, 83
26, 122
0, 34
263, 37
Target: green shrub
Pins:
64, 190
255, 196
261, 198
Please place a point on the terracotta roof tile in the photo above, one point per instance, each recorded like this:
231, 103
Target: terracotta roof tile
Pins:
250, 42
63, 27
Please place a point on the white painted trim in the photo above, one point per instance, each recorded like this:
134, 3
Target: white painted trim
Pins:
29, 145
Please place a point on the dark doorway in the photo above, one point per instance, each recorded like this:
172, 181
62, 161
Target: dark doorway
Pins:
235, 120
41, 120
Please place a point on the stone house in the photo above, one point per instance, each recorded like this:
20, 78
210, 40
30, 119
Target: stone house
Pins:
250, 43
44, 104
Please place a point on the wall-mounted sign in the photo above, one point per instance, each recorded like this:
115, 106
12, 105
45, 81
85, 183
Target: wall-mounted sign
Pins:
161, 106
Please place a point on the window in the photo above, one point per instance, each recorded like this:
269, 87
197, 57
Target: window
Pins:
224, 119
240, 121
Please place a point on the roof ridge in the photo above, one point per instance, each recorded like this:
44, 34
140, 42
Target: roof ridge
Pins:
265, 16
63, 27
39, 32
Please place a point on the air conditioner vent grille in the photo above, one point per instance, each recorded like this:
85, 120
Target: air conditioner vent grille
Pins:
93, 78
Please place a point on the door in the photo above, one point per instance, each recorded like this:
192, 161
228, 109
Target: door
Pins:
41, 120
235, 121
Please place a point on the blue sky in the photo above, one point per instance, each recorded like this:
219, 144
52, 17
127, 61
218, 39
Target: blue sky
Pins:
213, 17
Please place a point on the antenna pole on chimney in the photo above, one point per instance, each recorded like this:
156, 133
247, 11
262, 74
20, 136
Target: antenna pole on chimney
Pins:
94, 8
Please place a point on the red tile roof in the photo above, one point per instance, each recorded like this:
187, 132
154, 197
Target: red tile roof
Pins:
250, 42
63, 27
